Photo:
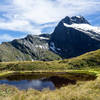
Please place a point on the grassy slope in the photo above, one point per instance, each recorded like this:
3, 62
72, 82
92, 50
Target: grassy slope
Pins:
9, 53
88, 60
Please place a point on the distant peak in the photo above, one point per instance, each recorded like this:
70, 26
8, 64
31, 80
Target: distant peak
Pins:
75, 19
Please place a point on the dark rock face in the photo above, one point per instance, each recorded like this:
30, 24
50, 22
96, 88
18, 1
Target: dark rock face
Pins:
70, 42
75, 19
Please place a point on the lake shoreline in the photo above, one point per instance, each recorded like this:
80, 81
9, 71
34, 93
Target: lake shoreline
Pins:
3, 73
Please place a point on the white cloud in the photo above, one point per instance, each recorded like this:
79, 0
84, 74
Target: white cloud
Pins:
6, 37
22, 13
17, 25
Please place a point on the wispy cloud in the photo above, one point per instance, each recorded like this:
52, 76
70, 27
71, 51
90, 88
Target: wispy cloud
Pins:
7, 37
29, 15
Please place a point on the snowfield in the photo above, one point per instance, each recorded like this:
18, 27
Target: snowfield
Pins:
92, 31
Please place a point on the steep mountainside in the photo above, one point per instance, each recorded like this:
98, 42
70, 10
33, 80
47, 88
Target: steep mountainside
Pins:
74, 36
32, 47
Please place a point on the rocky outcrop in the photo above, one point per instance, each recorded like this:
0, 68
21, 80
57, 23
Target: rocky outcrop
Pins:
32, 47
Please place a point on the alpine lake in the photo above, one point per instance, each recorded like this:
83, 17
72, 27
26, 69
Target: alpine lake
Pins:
40, 81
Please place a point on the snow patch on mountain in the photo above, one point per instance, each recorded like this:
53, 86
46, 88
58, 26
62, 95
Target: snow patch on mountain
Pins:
52, 47
58, 49
44, 38
42, 46
92, 31
85, 27
78, 16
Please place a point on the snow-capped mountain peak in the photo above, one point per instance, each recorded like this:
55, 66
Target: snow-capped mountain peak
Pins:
75, 36
75, 19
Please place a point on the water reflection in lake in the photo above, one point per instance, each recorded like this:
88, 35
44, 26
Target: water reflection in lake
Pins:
26, 84
45, 80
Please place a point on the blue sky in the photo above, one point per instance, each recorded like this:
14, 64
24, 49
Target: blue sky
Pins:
21, 17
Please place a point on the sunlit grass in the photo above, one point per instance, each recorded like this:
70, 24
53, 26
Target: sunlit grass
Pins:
86, 61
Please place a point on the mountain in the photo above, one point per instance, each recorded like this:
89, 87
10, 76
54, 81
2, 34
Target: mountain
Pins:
74, 36
32, 47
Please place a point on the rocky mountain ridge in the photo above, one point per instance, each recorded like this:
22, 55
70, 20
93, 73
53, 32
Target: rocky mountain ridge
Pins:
32, 47
72, 37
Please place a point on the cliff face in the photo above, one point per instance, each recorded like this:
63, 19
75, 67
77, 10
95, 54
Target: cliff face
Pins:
74, 36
